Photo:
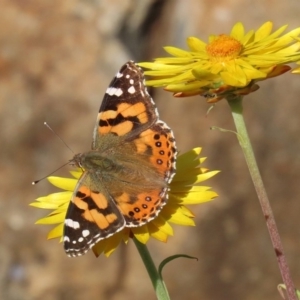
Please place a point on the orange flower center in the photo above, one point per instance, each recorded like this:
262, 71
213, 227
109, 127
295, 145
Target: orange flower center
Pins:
224, 47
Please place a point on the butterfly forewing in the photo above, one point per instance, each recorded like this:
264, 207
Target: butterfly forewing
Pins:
127, 172
127, 108
90, 217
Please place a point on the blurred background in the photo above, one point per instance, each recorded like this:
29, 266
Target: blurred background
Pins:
56, 60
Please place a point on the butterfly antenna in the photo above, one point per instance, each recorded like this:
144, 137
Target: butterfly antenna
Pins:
37, 181
47, 125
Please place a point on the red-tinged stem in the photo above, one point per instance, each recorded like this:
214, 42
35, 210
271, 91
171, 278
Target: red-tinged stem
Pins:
242, 134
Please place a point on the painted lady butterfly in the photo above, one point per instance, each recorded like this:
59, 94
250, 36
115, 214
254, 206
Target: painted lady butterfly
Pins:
127, 172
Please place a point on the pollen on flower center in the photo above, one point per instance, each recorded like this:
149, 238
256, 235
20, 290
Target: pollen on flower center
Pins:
224, 47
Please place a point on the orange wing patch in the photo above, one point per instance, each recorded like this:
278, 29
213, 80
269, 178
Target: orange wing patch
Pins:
161, 143
143, 207
122, 120
100, 202
103, 222
99, 199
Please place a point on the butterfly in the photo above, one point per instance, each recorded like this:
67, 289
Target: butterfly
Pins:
127, 172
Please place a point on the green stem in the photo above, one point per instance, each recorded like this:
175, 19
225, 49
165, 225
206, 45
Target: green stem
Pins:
237, 113
157, 281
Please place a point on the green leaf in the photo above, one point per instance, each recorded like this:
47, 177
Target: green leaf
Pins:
170, 258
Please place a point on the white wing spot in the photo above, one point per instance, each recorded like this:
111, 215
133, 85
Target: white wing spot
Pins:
81, 239
119, 75
85, 233
127, 76
118, 92
114, 91
72, 224
110, 91
74, 242
66, 239
131, 81
131, 90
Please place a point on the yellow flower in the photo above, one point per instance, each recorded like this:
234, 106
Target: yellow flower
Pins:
228, 64
183, 191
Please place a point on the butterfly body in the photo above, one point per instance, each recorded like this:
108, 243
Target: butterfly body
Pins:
127, 172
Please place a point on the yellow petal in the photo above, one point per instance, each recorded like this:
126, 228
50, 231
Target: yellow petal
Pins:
44, 205
181, 220
296, 70
141, 233
187, 212
189, 180
195, 44
53, 219
177, 52
112, 243
193, 197
188, 160
185, 87
190, 176
56, 198
77, 174
56, 232
230, 79
263, 31
277, 33
177, 215
162, 225
157, 234
63, 183
183, 189
238, 31
289, 36
99, 247
248, 38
